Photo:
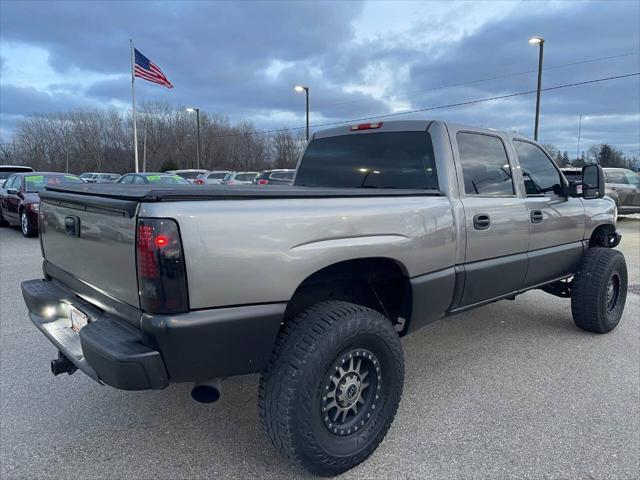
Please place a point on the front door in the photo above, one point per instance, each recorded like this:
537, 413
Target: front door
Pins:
13, 199
496, 218
557, 221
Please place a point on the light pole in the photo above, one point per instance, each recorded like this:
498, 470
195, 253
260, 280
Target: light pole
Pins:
300, 88
540, 42
197, 110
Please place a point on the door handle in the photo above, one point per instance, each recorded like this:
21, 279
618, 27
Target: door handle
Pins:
481, 221
536, 216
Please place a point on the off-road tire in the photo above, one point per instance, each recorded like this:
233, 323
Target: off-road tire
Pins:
592, 306
27, 230
293, 385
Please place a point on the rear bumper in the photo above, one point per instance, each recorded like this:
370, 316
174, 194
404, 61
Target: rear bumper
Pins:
191, 347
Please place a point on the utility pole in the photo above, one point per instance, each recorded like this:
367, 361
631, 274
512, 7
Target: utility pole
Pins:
197, 110
144, 147
301, 88
579, 132
540, 42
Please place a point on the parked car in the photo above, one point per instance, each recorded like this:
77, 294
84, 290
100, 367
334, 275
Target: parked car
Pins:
214, 177
151, 178
389, 226
19, 199
189, 174
239, 178
8, 170
275, 177
93, 177
573, 174
623, 186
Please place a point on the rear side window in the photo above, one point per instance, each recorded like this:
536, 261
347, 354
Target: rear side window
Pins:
402, 160
485, 165
539, 172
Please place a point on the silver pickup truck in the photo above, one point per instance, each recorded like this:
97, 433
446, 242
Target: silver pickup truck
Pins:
388, 226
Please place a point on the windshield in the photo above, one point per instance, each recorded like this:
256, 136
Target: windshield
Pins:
36, 183
373, 160
189, 175
166, 180
217, 176
246, 177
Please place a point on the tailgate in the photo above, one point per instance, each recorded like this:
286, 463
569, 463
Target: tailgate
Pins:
93, 239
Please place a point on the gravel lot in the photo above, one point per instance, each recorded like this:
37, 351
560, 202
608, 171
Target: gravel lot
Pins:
511, 390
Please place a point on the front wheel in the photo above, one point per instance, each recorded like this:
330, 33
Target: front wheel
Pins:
599, 290
331, 390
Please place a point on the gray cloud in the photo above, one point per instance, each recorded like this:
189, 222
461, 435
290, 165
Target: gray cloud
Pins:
218, 55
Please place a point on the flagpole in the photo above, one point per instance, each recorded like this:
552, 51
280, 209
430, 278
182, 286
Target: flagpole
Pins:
133, 105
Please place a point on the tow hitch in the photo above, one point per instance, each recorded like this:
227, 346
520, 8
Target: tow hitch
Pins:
62, 365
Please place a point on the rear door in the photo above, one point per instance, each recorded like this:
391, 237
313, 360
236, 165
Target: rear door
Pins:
496, 216
556, 221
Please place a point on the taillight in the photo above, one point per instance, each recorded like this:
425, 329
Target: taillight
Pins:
231, 182
198, 181
366, 126
263, 182
162, 277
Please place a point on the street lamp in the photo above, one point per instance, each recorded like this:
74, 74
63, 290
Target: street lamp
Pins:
300, 88
540, 42
197, 110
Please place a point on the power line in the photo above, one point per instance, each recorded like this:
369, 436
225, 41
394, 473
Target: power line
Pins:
481, 80
439, 107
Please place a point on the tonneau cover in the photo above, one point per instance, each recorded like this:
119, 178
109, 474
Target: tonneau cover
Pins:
160, 193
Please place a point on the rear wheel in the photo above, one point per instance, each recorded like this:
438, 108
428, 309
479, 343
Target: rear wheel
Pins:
3, 222
26, 226
599, 290
332, 388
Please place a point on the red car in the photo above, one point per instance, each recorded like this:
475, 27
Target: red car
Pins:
19, 199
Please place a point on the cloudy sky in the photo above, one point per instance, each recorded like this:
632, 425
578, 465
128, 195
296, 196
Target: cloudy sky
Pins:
359, 60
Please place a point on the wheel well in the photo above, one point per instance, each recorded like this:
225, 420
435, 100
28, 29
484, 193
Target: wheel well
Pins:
378, 283
600, 236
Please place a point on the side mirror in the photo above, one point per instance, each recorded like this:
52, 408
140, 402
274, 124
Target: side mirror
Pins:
12, 191
592, 181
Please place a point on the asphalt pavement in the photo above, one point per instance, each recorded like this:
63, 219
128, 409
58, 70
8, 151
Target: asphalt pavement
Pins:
511, 390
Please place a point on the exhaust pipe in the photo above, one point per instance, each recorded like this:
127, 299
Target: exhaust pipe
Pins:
62, 365
207, 391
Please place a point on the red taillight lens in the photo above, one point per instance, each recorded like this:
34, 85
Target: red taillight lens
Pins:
162, 279
198, 181
263, 182
231, 182
366, 126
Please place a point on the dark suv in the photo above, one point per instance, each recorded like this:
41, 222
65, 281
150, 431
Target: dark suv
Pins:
275, 177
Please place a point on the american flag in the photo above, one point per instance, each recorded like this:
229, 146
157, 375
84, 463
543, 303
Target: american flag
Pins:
145, 68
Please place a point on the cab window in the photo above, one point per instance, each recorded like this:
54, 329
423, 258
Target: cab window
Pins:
539, 172
485, 165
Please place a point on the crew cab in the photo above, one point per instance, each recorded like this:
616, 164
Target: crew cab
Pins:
387, 227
